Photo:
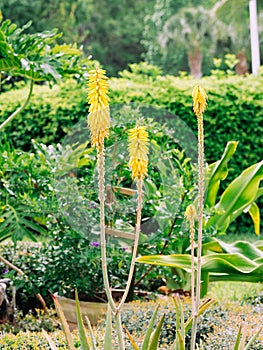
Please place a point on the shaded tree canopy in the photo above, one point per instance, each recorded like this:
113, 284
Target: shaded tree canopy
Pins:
110, 31
120, 32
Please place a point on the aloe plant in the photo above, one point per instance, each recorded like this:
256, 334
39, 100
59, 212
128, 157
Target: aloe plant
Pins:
87, 338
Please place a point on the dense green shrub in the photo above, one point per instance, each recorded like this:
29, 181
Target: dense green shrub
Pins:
234, 113
234, 110
52, 266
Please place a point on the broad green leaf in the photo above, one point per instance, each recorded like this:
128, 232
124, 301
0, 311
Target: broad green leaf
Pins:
182, 261
64, 323
247, 249
82, 332
240, 261
259, 193
239, 195
108, 331
156, 335
146, 340
255, 215
217, 172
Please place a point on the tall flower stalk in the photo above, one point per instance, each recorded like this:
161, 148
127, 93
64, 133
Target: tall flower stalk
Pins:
99, 124
191, 216
138, 150
199, 106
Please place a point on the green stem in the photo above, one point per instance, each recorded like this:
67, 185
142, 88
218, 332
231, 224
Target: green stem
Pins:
200, 224
136, 242
102, 227
13, 115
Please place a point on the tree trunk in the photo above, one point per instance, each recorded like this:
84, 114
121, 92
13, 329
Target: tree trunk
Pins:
195, 63
241, 67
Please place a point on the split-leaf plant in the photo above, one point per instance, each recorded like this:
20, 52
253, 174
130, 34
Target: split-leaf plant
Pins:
34, 58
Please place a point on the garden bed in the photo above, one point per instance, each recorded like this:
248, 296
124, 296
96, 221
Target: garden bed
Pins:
241, 305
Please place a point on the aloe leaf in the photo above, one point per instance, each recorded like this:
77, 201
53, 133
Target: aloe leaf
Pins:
93, 340
205, 305
238, 339
108, 331
50, 341
252, 339
64, 323
179, 312
156, 335
255, 216
181, 342
217, 172
145, 344
82, 333
131, 339
238, 196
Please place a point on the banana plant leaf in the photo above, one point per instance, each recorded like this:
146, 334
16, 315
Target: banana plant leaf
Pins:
217, 172
240, 261
238, 197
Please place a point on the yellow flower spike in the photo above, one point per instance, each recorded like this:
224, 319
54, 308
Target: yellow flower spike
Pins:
99, 112
199, 98
190, 213
138, 149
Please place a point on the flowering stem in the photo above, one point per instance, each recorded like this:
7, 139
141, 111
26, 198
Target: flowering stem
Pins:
192, 232
102, 226
200, 222
136, 242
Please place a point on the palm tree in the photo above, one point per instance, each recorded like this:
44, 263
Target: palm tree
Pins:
240, 15
197, 29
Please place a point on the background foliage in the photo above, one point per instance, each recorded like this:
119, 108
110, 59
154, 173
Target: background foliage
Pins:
235, 106
123, 31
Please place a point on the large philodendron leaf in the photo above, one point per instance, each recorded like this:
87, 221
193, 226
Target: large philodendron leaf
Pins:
217, 172
245, 248
35, 56
221, 266
239, 261
181, 261
17, 222
237, 198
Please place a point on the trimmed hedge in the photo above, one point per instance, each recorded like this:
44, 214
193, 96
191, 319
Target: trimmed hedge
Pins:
235, 111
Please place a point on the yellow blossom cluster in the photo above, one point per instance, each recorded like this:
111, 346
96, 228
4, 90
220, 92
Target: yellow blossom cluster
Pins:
138, 149
199, 98
99, 112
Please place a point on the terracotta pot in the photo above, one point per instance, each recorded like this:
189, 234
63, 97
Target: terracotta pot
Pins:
94, 311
